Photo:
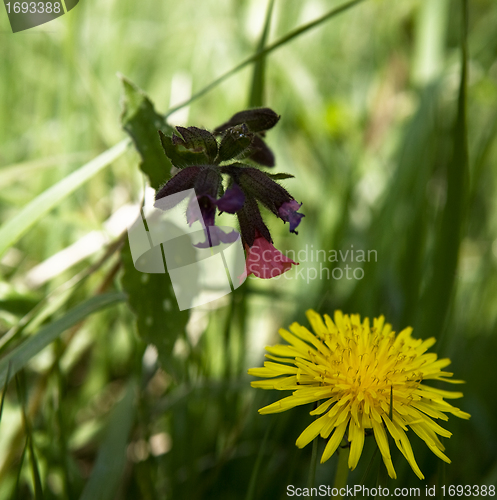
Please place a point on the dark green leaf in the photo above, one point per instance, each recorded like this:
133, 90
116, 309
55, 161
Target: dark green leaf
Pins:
141, 122
158, 318
234, 142
198, 140
18, 304
179, 156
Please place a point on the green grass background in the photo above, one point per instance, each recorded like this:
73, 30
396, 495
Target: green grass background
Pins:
390, 152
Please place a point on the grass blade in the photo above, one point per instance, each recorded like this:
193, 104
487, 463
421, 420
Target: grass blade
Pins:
482, 155
12, 173
312, 467
18, 358
21, 395
4, 390
106, 474
441, 288
13, 229
59, 296
256, 98
17, 495
430, 40
270, 48
257, 467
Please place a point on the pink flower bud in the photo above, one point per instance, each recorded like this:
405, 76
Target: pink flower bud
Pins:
265, 261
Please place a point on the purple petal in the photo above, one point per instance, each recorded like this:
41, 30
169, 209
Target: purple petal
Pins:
288, 213
232, 200
289, 206
294, 220
215, 235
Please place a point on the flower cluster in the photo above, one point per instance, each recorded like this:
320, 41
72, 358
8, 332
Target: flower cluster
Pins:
203, 158
365, 377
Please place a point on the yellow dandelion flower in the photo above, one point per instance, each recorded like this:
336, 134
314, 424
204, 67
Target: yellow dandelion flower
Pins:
360, 371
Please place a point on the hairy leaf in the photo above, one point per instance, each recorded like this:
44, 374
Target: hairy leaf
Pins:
198, 140
141, 122
179, 156
234, 142
257, 120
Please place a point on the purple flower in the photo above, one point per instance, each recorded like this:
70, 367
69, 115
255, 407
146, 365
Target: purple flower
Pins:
232, 200
204, 164
288, 213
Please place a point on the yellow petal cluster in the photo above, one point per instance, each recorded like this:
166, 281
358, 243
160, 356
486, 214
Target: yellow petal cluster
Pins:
366, 377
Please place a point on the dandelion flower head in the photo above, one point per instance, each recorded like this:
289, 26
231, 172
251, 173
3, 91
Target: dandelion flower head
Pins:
365, 378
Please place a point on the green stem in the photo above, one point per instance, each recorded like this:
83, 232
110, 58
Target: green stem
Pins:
267, 50
255, 472
342, 471
228, 337
312, 468
4, 390
256, 98
382, 479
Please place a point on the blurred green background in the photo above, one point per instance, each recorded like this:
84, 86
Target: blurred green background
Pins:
374, 126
